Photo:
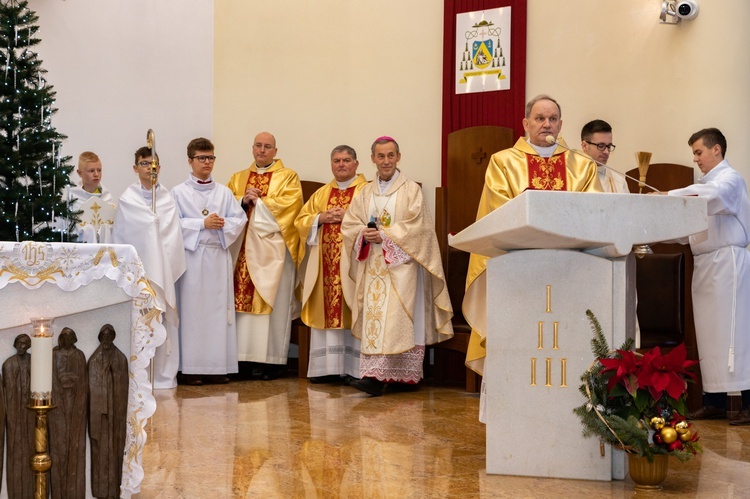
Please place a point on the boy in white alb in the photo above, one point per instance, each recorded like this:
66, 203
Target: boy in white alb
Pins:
721, 279
211, 219
157, 237
90, 171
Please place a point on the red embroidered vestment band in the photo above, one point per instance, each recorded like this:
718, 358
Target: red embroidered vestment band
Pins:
547, 174
244, 290
331, 244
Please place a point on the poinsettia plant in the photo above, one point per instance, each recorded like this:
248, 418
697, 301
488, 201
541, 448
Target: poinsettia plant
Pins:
638, 401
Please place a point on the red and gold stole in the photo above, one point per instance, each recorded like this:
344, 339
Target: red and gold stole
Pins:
244, 290
331, 244
547, 174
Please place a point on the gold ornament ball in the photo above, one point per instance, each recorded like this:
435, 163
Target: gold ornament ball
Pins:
657, 423
668, 434
685, 437
682, 427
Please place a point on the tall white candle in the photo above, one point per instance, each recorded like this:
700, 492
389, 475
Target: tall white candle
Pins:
41, 359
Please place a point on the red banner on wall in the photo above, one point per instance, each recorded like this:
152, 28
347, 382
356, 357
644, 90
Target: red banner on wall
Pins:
504, 108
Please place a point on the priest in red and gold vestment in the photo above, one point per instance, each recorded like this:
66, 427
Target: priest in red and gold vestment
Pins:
400, 301
532, 163
265, 272
334, 352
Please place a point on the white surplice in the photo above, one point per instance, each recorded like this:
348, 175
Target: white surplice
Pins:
205, 292
721, 280
76, 196
612, 182
101, 231
158, 240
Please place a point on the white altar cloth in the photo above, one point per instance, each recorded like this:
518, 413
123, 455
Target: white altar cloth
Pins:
31, 276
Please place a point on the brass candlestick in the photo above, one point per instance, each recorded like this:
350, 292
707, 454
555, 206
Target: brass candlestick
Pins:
40, 400
643, 159
41, 462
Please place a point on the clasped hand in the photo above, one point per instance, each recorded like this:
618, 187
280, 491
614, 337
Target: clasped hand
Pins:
251, 195
332, 216
372, 235
213, 221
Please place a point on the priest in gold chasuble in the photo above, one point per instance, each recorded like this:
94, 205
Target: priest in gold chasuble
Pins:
265, 272
534, 162
334, 352
399, 297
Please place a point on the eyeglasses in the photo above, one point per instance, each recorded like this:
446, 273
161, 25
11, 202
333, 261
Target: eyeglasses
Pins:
205, 159
602, 146
144, 163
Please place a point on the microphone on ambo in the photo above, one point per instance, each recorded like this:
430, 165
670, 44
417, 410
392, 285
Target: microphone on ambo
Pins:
551, 140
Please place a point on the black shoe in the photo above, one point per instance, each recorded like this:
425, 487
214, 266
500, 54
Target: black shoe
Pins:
331, 378
403, 387
708, 412
189, 379
271, 372
348, 380
369, 385
742, 418
245, 370
216, 379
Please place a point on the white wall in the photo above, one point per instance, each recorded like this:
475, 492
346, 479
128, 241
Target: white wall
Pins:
655, 84
317, 74
121, 67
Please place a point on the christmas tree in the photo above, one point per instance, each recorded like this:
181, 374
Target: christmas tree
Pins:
33, 175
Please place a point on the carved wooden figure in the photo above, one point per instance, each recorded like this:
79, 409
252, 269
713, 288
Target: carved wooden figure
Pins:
108, 411
67, 421
20, 420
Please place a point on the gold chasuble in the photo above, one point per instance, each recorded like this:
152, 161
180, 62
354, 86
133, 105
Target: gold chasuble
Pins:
323, 304
509, 173
383, 293
261, 259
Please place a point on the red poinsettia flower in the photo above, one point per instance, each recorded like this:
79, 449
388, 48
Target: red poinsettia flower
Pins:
665, 373
625, 369
631, 392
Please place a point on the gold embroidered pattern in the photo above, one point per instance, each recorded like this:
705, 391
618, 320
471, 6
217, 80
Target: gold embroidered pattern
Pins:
32, 263
331, 244
376, 296
244, 289
96, 220
547, 174
260, 181
243, 285
99, 255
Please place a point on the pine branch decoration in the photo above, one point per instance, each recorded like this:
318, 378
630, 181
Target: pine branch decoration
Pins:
623, 406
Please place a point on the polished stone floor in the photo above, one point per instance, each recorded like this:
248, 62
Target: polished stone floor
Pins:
288, 438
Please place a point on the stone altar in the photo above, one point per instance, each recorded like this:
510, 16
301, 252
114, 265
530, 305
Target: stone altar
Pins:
553, 255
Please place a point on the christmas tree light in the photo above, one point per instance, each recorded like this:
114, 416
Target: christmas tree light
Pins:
33, 174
